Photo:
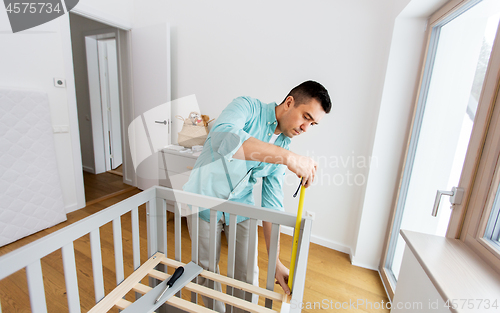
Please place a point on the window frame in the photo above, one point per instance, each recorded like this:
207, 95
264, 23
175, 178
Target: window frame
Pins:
487, 179
461, 213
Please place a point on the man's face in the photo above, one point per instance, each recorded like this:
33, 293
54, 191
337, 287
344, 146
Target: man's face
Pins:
297, 119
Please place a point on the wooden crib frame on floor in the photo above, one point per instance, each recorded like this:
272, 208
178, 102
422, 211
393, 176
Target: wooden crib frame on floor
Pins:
155, 198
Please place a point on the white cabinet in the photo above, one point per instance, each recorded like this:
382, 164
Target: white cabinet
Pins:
415, 291
443, 275
174, 169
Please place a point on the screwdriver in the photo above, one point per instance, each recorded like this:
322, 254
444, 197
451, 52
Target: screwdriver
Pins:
178, 272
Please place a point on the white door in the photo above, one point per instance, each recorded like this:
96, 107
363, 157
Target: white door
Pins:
93, 70
110, 102
441, 149
150, 130
114, 105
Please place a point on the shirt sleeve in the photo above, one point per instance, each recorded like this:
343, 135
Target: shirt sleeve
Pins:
272, 189
227, 134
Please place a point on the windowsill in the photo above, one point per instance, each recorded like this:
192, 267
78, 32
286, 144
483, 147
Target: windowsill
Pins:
455, 270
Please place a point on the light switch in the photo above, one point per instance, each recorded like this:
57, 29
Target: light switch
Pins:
59, 82
59, 129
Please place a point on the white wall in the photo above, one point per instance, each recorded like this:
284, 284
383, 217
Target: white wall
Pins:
224, 49
31, 59
392, 131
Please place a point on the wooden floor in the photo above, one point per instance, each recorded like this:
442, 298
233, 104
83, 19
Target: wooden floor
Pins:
104, 185
332, 283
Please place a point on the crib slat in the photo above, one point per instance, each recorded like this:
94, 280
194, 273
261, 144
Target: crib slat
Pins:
162, 226
135, 238
136, 249
122, 304
211, 254
152, 230
70, 277
117, 240
231, 250
299, 278
121, 290
271, 266
224, 280
212, 239
178, 236
194, 234
177, 220
231, 246
252, 248
35, 287
194, 245
95, 251
208, 292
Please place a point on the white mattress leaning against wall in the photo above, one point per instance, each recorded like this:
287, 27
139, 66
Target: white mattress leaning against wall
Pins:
31, 198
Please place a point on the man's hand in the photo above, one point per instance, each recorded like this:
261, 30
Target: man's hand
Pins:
282, 276
303, 167
256, 150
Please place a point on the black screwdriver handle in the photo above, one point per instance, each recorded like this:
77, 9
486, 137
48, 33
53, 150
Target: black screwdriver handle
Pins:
178, 272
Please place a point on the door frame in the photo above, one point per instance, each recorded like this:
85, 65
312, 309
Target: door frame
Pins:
95, 97
125, 94
481, 122
122, 35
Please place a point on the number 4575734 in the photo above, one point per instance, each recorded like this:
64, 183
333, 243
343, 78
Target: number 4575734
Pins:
23, 7
472, 304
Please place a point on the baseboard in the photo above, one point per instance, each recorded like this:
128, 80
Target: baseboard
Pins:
129, 182
320, 241
71, 208
363, 265
111, 195
115, 172
88, 169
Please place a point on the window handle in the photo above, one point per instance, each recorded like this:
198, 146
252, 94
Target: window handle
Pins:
456, 194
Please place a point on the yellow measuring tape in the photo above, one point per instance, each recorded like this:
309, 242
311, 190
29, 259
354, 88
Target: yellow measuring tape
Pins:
296, 237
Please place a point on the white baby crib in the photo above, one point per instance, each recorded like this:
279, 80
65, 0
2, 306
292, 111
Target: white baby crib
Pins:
29, 257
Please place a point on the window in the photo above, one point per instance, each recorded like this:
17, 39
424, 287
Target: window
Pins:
492, 233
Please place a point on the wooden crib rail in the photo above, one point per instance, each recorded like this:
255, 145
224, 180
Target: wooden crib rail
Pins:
29, 256
234, 209
231, 207
24, 256
155, 198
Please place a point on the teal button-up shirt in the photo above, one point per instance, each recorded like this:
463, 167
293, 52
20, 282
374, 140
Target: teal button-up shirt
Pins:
217, 174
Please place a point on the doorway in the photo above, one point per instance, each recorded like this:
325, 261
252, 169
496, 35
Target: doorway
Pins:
102, 70
100, 107
440, 148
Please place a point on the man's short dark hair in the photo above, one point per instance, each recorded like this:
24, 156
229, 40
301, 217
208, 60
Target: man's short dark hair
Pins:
311, 89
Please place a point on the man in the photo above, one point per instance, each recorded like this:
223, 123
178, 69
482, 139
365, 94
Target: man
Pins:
249, 140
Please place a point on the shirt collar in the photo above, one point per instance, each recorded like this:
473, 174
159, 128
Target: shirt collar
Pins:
271, 118
271, 112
